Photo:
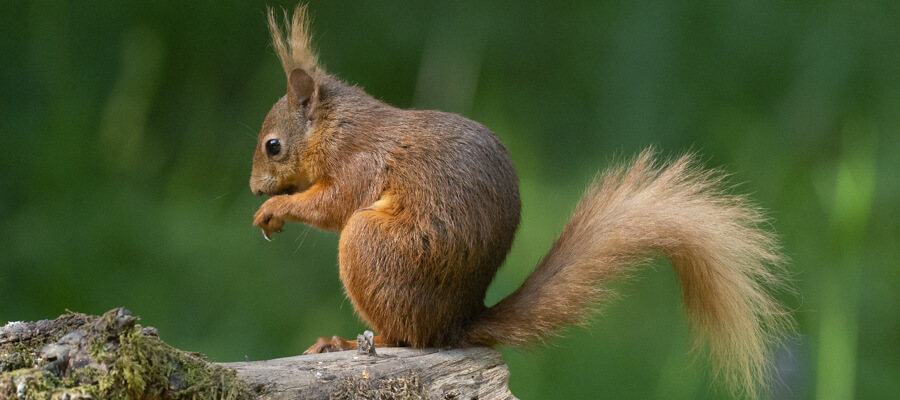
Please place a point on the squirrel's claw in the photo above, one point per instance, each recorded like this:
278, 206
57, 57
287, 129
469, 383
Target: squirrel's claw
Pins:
268, 218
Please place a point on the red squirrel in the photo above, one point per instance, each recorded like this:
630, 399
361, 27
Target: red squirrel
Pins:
427, 205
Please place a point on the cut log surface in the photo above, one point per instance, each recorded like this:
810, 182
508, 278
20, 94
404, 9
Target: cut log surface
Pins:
401, 373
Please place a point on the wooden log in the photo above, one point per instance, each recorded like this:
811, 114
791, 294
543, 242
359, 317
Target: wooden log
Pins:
79, 356
394, 373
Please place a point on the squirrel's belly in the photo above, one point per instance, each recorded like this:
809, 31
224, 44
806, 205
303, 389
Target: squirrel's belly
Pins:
407, 295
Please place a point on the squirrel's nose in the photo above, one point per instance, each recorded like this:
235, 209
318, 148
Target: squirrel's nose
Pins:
257, 192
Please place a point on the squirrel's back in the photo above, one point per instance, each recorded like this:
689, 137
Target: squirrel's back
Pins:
456, 177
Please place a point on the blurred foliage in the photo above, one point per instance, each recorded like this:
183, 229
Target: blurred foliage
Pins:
128, 129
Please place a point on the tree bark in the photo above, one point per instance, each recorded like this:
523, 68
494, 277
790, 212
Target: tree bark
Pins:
395, 373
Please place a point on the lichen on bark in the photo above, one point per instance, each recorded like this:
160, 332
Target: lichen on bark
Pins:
78, 356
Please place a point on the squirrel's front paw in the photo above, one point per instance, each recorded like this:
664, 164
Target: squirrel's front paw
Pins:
270, 216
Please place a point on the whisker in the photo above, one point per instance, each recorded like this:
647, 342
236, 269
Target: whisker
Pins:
222, 195
248, 128
304, 235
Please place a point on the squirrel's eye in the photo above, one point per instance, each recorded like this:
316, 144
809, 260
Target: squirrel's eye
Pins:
273, 147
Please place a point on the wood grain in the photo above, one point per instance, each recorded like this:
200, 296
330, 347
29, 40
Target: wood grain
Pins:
395, 373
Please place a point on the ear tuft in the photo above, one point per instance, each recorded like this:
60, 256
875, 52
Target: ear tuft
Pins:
301, 88
293, 43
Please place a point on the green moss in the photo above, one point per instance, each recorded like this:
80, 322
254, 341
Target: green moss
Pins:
15, 360
38, 384
113, 359
146, 366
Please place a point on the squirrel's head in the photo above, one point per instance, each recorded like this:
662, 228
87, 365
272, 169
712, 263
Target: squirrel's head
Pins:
279, 161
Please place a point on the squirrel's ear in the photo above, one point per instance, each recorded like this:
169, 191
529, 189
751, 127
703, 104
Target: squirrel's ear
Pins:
301, 88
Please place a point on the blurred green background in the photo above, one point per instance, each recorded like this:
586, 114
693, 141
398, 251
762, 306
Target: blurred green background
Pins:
128, 131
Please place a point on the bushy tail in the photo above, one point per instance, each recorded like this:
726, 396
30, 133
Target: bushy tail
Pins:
724, 260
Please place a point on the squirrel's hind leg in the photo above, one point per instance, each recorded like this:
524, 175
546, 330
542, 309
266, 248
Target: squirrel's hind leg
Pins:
337, 343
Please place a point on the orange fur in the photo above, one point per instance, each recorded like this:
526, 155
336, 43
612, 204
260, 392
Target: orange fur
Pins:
427, 204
